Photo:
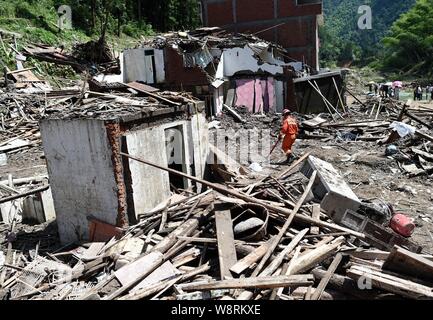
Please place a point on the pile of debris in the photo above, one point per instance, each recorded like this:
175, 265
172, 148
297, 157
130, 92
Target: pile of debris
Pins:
290, 236
93, 56
404, 130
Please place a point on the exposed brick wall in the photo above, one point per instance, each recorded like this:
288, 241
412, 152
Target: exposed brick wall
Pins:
220, 14
114, 133
253, 10
175, 73
298, 34
288, 8
295, 34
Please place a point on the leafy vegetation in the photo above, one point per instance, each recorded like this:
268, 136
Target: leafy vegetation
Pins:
342, 40
409, 45
37, 20
122, 22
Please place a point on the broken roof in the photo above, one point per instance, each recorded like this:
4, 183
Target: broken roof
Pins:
215, 37
121, 106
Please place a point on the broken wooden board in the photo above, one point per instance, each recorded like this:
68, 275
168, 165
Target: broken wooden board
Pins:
427, 156
234, 114
403, 261
312, 258
226, 246
316, 216
164, 272
93, 250
15, 144
317, 294
141, 87
412, 169
202, 295
391, 283
253, 283
138, 269
314, 123
251, 258
274, 265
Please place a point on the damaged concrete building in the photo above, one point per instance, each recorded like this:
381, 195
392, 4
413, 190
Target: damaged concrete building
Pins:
221, 68
96, 191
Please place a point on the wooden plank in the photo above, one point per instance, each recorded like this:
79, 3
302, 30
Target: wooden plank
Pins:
185, 229
251, 258
273, 266
234, 113
272, 207
164, 272
403, 261
391, 283
138, 269
325, 280
203, 295
226, 246
253, 283
156, 96
157, 287
316, 216
141, 87
286, 225
315, 256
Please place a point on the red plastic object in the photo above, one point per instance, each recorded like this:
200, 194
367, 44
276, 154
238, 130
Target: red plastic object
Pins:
402, 224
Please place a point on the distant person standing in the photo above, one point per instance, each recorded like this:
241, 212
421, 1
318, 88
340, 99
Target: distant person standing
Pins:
397, 93
376, 88
419, 92
386, 91
427, 92
381, 90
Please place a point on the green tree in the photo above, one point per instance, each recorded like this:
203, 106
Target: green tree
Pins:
409, 46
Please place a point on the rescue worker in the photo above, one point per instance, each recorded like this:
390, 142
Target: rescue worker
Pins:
289, 132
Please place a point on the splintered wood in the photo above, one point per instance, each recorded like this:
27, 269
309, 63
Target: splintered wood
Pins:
243, 242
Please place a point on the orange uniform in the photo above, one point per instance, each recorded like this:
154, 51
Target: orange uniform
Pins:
290, 131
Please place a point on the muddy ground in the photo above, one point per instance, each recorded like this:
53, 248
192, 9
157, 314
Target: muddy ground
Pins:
368, 171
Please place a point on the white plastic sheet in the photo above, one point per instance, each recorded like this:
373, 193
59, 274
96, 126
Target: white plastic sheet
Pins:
256, 167
402, 129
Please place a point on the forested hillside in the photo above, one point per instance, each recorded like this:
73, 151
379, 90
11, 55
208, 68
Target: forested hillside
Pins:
409, 45
37, 19
342, 40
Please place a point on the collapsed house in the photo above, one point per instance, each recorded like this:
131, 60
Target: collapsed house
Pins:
95, 190
293, 24
227, 70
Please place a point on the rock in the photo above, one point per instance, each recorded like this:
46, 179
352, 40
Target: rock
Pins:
248, 225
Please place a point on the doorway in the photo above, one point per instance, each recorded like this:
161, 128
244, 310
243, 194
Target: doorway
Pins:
176, 159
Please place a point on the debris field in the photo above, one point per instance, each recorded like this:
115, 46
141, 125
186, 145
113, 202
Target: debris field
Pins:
349, 218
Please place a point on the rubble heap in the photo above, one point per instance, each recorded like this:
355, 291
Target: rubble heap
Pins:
267, 239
